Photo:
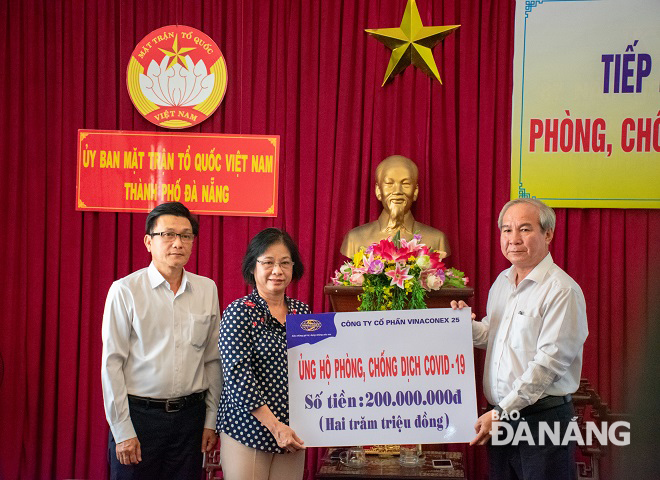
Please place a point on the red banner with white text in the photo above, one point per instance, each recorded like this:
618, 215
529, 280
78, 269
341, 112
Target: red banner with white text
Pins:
213, 174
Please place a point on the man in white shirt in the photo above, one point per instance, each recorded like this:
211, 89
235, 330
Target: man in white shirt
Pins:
160, 372
533, 333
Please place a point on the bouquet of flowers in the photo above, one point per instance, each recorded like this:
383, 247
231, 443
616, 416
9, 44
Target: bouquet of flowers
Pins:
395, 274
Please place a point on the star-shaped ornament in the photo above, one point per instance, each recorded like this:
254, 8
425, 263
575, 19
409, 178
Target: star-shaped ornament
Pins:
412, 43
176, 55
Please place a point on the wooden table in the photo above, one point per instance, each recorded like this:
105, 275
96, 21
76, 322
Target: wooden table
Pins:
345, 298
388, 468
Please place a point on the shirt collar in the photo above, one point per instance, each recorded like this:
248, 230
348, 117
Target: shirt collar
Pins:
254, 296
408, 222
536, 275
156, 278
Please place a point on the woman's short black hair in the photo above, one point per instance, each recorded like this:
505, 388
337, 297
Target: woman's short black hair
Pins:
171, 208
260, 243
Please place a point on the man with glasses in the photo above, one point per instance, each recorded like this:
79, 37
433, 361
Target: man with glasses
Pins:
160, 372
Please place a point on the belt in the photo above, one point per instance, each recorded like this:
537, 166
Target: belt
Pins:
545, 403
171, 404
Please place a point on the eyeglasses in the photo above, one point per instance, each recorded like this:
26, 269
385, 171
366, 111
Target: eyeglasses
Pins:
169, 237
269, 264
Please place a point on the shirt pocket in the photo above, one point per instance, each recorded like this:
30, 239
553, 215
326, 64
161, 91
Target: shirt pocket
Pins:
525, 331
199, 330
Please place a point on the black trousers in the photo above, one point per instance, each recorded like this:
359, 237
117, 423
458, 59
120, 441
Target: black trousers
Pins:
536, 462
170, 442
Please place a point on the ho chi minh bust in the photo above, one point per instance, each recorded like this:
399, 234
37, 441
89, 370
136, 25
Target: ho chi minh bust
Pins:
397, 189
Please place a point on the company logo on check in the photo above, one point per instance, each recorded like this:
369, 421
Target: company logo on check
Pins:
310, 325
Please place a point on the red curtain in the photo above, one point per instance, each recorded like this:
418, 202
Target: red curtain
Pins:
308, 72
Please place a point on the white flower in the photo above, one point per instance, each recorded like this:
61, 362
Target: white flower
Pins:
423, 261
434, 282
177, 86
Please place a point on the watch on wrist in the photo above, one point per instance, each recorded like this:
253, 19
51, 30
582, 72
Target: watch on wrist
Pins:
499, 411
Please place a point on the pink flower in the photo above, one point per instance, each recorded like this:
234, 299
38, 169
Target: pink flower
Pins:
389, 252
373, 265
411, 248
435, 259
465, 280
414, 247
336, 278
357, 279
399, 275
432, 279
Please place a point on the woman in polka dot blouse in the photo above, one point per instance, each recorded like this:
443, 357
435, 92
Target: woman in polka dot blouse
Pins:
256, 441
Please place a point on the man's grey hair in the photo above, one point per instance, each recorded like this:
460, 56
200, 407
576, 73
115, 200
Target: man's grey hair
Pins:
547, 217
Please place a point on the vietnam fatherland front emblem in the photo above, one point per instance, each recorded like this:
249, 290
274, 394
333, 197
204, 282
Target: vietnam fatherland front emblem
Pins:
176, 77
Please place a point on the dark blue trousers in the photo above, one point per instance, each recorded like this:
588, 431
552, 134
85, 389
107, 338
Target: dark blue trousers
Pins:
170, 442
536, 462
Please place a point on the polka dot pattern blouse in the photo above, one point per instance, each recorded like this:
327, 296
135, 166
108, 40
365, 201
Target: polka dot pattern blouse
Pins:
252, 347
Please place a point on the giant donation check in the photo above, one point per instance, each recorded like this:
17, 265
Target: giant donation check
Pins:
388, 377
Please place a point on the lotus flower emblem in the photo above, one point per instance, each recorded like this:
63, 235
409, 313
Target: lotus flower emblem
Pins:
177, 86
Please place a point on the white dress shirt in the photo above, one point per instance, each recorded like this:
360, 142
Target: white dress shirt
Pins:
533, 334
160, 345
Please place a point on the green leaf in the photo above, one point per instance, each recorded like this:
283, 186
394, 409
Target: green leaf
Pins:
396, 240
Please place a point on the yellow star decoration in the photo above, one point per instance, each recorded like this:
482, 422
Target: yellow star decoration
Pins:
411, 43
176, 54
